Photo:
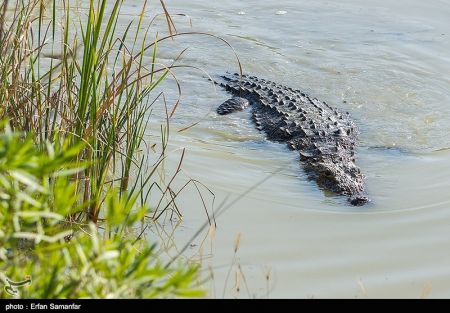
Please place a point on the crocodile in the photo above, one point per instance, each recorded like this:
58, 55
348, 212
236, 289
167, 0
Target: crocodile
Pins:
324, 137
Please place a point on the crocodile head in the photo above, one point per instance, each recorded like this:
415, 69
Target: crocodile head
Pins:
344, 178
358, 200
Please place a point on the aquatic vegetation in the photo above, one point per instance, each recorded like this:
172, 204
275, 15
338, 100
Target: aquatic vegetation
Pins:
93, 86
43, 254
76, 170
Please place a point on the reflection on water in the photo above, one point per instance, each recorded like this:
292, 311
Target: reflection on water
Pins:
385, 63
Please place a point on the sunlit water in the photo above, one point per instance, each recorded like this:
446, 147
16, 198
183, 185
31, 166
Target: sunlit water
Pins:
386, 63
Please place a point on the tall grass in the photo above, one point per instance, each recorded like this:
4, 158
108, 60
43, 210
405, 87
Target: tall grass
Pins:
76, 92
95, 88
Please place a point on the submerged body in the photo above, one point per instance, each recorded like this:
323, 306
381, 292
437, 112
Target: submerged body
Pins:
324, 137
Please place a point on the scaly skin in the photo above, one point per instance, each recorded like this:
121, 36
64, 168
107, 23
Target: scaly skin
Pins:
324, 137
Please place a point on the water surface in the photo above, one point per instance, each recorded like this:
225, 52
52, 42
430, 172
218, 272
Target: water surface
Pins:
388, 65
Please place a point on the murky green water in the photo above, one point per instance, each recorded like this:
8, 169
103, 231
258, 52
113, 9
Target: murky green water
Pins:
387, 64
